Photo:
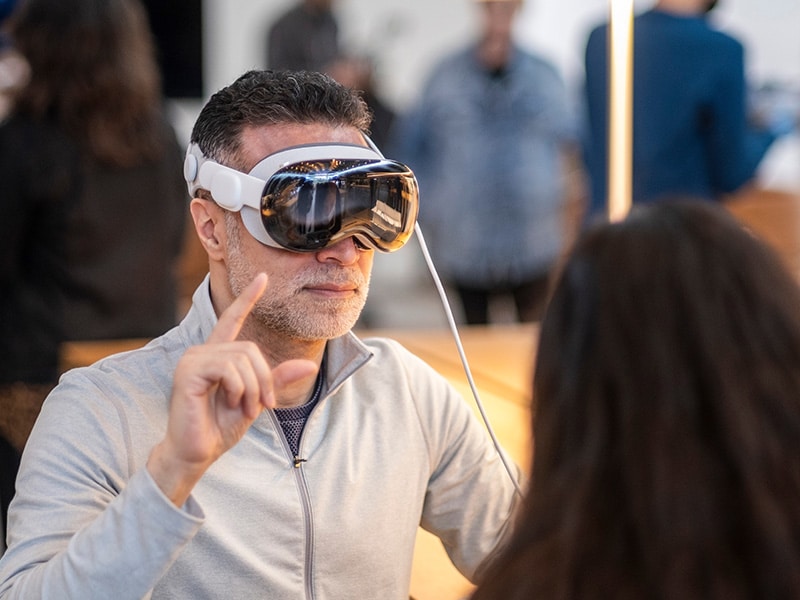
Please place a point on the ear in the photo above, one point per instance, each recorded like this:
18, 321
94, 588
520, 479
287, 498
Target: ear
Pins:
209, 224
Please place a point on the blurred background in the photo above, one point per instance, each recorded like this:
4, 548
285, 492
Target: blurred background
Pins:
207, 43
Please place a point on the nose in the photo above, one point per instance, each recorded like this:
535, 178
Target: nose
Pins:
345, 252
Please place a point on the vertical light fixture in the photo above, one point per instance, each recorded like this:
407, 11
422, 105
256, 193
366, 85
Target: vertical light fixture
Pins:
620, 126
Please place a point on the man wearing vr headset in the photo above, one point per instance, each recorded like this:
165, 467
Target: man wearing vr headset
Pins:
260, 449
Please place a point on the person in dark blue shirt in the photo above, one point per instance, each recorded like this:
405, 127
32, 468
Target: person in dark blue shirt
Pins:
691, 130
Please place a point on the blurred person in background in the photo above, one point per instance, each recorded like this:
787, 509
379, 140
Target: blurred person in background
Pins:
304, 38
692, 131
13, 68
666, 419
357, 72
93, 207
488, 140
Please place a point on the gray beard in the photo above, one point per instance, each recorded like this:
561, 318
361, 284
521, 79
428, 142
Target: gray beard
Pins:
298, 316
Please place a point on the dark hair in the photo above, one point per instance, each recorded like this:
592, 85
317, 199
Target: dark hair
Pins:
92, 72
666, 421
274, 97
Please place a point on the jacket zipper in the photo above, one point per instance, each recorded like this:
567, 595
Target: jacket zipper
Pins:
305, 499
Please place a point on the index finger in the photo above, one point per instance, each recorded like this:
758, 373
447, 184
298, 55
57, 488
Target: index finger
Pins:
232, 318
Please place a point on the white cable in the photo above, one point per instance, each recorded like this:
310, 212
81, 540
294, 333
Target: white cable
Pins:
454, 329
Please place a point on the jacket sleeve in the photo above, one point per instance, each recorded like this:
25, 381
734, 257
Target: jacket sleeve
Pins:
471, 497
81, 524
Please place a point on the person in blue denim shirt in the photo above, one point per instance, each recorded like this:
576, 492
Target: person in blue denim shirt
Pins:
486, 140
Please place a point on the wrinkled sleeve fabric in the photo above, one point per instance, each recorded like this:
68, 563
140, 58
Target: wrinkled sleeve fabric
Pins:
471, 497
88, 521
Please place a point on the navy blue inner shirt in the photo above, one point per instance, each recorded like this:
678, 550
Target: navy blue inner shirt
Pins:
293, 419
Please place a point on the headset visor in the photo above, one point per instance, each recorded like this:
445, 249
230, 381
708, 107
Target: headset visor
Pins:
312, 204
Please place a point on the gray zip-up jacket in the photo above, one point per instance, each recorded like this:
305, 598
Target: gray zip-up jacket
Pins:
390, 446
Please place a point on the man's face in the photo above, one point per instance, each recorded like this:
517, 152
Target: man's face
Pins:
310, 295
498, 17
498, 27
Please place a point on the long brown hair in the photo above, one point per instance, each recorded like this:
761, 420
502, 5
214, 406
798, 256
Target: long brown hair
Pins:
666, 420
93, 73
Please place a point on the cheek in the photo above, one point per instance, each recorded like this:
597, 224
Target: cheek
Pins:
261, 258
365, 264
286, 271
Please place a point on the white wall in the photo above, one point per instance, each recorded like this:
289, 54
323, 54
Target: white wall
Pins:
406, 36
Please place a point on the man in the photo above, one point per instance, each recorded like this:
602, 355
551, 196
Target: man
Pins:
692, 135
488, 139
305, 37
259, 449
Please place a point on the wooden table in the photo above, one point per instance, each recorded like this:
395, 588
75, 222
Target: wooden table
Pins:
80, 354
774, 216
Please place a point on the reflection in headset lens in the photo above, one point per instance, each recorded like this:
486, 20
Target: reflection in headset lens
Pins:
309, 205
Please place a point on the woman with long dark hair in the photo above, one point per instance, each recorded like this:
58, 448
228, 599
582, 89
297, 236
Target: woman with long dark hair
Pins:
95, 93
93, 206
666, 420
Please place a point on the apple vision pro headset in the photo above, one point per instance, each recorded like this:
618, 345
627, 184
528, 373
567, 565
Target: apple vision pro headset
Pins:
309, 197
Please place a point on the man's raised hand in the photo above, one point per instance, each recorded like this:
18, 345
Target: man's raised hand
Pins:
219, 389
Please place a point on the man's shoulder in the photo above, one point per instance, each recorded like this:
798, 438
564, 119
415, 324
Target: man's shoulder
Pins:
452, 73
391, 358
381, 348
597, 32
697, 30
533, 61
725, 42
454, 60
149, 367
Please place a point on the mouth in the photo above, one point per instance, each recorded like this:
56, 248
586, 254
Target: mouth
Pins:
333, 290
